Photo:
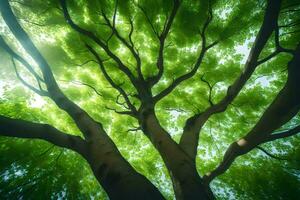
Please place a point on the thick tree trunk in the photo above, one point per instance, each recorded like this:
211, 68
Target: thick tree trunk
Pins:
113, 172
182, 169
116, 175
191, 188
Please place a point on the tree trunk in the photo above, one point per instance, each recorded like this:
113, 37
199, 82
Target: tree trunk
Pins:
182, 169
192, 188
116, 175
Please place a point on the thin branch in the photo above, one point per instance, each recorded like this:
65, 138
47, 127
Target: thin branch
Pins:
271, 155
197, 64
130, 45
40, 91
290, 32
121, 112
134, 129
162, 38
119, 102
93, 37
176, 109
287, 102
85, 84
131, 32
290, 24
134, 49
86, 62
112, 83
189, 139
278, 47
291, 10
112, 26
283, 134
12, 53
269, 57
148, 20
86, 124
210, 89
32, 23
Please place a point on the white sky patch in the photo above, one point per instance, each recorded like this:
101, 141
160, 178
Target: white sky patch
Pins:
37, 101
244, 49
2, 86
175, 114
224, 13
263, 81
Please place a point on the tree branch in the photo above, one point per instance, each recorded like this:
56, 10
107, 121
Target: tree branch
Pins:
129, 45
24, 129
84, 84
283, 108
148, 20
271, 155
196, 66
112, 83
190, 136
14, 55
121, 112
162, 38
4, 45
283, 134
210, 87
39, 91
93, 37
84, 122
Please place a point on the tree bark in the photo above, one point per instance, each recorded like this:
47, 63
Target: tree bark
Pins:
187, 183
113, 172
190, 137
283, 108
116, 175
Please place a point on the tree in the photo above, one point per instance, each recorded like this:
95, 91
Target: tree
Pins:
161, 60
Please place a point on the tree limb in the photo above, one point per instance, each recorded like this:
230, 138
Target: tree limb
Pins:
84, 84
197, 64
210, 87
148, 20
93, 37
190, 136
129, 45
271, 155
112, 83
16, 56
162, 38
5, 46
283, 108
39, 91
24, 129
84, 122
283, 134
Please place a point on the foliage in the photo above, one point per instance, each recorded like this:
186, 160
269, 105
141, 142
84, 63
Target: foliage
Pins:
32, 169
